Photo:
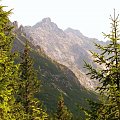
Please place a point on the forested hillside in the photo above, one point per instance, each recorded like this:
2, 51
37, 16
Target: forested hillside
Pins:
55, 79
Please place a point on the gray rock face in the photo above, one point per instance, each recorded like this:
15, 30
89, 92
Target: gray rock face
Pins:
69, 47
15, 24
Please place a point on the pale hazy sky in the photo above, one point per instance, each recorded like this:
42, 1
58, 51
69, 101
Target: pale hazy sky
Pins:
91, 17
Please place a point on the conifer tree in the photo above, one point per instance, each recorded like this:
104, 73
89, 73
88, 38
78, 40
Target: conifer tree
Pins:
62, 113
8, 70
29, 86
109, 78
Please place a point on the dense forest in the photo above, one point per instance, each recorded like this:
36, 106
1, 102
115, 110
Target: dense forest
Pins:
20, 84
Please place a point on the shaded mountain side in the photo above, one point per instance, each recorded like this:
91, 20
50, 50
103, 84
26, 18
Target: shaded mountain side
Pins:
55, 78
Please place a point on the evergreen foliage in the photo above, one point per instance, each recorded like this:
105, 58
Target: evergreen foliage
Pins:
8, 70
29, 86
62, 113
109, 77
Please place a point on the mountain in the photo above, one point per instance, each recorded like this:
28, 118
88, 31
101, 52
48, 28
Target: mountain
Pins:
55, 78
69, 47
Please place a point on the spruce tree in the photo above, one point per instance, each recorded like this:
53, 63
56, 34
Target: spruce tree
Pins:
62, 113
29, 86
8, 70
109, 77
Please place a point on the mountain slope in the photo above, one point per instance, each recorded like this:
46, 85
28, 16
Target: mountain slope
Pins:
55, 78
69, 47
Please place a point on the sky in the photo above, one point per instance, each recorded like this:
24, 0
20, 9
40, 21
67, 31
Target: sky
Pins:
91, 17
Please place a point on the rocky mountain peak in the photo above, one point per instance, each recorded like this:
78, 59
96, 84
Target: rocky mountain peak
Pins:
75, 32
46, 24
15, 24
46, 20
69, 47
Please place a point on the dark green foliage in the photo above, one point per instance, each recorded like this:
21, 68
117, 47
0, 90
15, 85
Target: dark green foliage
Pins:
108, 76
62, 113
29, 86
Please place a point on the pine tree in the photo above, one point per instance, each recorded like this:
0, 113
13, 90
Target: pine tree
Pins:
109, 78
8, 70
29, 86
62, 112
